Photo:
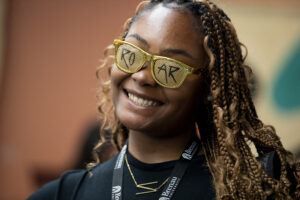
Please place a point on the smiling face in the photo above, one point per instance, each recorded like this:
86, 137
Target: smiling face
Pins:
140, 103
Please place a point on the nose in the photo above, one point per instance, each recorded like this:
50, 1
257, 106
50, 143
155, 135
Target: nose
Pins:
144, 77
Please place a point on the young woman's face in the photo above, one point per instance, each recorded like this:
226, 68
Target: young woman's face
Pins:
140, 103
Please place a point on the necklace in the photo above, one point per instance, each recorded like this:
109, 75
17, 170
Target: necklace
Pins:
144, 186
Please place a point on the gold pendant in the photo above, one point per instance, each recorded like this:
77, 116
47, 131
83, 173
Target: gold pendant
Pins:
149, 189
144, 185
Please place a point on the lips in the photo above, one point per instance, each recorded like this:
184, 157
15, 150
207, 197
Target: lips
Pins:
142, 100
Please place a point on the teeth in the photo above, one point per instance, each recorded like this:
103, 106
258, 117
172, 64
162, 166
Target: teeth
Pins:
142, 102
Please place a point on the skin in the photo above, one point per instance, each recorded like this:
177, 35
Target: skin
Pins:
169, 126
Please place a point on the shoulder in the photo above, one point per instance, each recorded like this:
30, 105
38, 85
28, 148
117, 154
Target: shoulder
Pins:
76, 182
271, 164
97, 182
52, 190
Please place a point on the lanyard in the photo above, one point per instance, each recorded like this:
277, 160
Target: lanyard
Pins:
175, 177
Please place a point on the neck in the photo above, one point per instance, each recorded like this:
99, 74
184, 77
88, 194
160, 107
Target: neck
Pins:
153, 149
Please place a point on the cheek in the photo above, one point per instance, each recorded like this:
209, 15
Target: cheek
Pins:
183, 101
188, 92
117, 77
186, 97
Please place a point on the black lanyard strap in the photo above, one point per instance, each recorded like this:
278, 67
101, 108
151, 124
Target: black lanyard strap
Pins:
175, 177
118, 175
179, 170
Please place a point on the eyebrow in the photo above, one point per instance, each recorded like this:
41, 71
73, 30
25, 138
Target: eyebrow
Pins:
178, 51
172, 51
139, 38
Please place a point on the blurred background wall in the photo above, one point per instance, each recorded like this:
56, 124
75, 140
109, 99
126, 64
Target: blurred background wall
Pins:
49, 51
2, 31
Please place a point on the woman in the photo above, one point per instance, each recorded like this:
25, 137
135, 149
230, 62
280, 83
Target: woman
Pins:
183, 117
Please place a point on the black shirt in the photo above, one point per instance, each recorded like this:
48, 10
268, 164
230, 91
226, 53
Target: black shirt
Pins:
80, 184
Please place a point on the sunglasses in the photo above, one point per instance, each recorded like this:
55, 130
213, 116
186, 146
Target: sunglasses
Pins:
167, 72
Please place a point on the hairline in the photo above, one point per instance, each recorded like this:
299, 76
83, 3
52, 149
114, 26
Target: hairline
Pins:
176, 7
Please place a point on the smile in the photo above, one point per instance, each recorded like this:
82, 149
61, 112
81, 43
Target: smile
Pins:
141, 101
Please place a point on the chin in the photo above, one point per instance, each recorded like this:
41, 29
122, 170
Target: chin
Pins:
150, 128
136, 124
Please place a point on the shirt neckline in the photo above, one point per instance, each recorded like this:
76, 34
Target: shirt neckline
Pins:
157, 166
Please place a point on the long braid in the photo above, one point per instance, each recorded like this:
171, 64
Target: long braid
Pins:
256, 123
225, 137
233, 129
231, 121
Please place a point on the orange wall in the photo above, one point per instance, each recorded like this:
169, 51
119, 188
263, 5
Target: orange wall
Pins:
47, 96
48, 89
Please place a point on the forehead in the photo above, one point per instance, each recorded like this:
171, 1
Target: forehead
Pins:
164, 27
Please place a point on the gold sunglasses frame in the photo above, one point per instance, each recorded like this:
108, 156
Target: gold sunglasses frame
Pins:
152, 58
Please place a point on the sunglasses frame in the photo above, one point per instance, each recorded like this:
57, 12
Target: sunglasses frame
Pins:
152, 58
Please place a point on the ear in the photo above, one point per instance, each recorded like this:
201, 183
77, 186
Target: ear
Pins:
203, 100
205, 94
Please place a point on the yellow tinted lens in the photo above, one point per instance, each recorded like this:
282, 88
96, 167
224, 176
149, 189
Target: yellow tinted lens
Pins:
169, 73
129, 58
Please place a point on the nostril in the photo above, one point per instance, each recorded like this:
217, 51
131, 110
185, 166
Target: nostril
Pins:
144, 77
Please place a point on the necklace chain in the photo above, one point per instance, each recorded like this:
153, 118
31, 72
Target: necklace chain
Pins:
144, 186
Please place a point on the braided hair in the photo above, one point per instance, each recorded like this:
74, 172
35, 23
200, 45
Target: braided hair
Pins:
230, 123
